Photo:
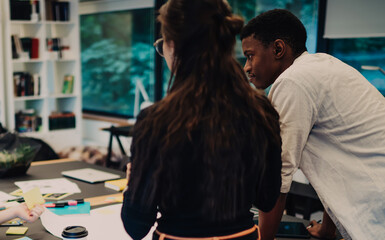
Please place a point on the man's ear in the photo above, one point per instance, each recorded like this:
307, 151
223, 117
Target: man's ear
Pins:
279, 48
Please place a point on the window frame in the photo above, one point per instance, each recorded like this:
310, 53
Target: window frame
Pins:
109, 6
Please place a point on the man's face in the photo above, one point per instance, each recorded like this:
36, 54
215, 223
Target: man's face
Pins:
261, 65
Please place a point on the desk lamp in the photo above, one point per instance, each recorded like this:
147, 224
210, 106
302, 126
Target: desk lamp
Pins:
373, 68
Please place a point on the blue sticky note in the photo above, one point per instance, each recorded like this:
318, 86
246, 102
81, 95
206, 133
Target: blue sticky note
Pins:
81, 208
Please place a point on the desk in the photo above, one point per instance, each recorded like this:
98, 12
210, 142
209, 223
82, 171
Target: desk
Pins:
52, 169
125, 131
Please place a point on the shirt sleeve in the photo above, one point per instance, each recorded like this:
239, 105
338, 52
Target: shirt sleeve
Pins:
137, 218
269, 189
297, 111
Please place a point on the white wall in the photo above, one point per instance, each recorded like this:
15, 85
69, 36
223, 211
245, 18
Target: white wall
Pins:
355, 18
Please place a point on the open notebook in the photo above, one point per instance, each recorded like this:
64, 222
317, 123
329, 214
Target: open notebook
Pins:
90, 175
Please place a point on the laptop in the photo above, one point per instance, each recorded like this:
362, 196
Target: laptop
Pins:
90, 175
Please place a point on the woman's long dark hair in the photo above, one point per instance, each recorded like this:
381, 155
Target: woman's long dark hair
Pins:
208, 92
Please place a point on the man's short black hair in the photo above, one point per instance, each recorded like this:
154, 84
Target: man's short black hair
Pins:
277, 24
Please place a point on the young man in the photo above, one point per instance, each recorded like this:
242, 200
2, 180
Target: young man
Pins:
332, 127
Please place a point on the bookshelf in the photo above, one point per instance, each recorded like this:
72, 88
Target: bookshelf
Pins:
37, 106
2, 85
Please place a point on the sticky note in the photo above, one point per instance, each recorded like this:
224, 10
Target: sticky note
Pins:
24, 238
16, 230
33, 197
17, 193
82, 208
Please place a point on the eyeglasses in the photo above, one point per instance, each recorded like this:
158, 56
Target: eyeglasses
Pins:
158, 44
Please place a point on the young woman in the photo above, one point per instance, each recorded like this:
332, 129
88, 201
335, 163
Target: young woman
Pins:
211, 148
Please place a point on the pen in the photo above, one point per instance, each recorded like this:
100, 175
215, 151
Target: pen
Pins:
59, 204
19, 199
311, 225
69, 202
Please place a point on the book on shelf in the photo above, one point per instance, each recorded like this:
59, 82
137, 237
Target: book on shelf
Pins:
68, 84
15, 54
57, 10
53, 44
25, 84
27, 120
61, 120
57, 47
17, 47
26, 10
117, 185
31, 45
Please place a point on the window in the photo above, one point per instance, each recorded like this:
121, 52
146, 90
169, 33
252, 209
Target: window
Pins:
305, 10
358, 52
117, 59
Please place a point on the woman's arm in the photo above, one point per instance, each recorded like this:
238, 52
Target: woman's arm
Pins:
137, 220
21, 211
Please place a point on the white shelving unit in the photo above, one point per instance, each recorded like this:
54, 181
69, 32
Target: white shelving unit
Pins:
52, 70
2, 85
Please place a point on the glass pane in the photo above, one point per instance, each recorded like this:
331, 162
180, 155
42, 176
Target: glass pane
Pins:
305, 10
360, 52
116, 54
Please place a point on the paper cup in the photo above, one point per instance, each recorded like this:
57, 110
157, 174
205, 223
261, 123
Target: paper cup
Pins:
74, 232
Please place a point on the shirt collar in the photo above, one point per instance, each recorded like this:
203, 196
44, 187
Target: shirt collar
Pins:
301, 56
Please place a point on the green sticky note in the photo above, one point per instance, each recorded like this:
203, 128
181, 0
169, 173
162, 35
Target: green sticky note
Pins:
16, 230
33, 197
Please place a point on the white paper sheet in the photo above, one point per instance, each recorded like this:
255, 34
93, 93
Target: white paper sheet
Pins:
5, 196
101, 224
55, 185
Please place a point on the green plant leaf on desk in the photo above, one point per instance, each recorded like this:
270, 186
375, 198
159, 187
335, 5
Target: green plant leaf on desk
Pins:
19, 156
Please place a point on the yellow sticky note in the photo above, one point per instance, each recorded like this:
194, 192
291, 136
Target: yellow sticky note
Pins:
17, 193
33, 197
17, 230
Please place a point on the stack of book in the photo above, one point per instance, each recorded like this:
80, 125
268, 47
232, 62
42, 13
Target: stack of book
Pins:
26, 84
57, 10
24, 10
117, 185
27, 121
25, 47
62, 120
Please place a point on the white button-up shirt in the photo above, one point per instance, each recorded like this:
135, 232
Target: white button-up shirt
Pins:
333, 128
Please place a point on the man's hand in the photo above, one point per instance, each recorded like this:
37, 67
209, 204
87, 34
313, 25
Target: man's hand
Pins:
326, 230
